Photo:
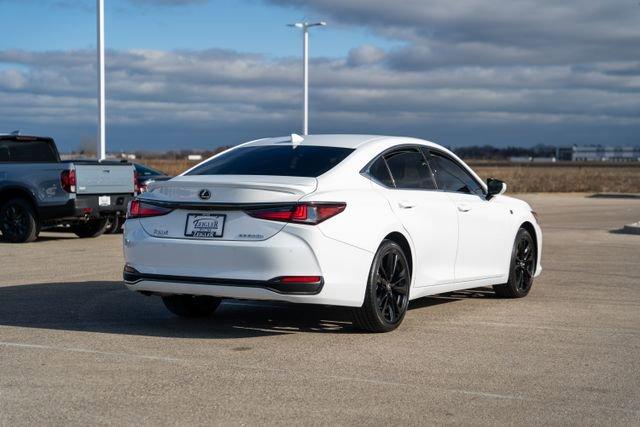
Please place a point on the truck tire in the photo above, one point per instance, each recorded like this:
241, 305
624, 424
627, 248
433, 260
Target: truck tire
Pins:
114, 225
91, 228
18, 221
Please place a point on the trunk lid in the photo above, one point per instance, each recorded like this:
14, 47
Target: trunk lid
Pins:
229, 196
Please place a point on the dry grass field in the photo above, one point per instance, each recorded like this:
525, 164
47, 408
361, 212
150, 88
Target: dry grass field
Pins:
525, 178
565, 178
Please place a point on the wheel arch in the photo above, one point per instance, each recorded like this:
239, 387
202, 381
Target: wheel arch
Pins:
11, 192
402, 241
532, 230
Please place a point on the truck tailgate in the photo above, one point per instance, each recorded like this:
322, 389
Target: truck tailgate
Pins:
104, 178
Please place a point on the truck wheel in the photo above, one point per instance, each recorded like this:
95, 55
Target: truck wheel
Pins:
92, 228
114, 225
18, 221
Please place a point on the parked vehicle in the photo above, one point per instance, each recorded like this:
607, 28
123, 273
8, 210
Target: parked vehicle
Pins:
348, 220
38, 190
144, 175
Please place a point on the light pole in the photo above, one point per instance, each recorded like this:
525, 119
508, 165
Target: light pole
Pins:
101, 148
305, 69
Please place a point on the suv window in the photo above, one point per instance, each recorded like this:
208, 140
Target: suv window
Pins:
379, 171
276, 160
37, 151
452, 177
409, 170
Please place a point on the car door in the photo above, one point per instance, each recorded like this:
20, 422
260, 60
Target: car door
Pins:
428, 216
483, 226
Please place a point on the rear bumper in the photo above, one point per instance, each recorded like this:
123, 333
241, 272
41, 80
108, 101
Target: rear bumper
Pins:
132, 277
86, 205
248, 269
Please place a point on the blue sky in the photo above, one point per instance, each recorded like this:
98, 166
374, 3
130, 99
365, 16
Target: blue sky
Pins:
202, 73
248, 26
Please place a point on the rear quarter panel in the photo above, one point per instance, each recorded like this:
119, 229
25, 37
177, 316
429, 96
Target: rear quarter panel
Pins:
41, 180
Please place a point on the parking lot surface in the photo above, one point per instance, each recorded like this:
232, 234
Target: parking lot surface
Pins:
76, 347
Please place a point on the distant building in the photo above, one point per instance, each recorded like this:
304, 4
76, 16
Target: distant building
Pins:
520, 159
194, 157
598, 153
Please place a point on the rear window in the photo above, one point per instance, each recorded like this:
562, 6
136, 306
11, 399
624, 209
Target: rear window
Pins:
27, 151
305, 161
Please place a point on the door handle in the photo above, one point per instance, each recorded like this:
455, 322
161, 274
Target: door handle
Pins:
464, 208
406, 205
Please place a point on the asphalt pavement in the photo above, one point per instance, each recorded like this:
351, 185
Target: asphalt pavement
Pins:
77, 348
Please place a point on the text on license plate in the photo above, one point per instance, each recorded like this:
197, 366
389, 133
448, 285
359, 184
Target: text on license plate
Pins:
204, 226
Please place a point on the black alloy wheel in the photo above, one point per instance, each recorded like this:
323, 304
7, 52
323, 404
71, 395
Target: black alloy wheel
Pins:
523, 267
18, 221
387, 294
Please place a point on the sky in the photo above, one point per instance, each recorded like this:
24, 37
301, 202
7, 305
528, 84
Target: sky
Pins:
196, 74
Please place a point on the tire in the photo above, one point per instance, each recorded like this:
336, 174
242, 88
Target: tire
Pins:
524, 256
387, 295
192, 306
18, 221
91, 228
114, 225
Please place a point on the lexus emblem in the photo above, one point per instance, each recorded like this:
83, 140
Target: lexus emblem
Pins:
204, 194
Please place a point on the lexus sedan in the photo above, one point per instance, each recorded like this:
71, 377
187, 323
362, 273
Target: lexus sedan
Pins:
368, 222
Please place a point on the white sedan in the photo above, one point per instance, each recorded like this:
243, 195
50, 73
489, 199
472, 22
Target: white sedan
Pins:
369, 222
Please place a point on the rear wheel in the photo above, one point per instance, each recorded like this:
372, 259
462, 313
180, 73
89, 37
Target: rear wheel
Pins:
523, 267
18, 221
114, 225
387, 294
91, 228
191, 305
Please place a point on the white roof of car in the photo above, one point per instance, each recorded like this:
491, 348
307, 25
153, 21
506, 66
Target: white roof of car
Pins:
336, 140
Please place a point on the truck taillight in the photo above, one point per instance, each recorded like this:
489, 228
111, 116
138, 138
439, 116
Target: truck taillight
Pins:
302, 213
138, 209
68, 180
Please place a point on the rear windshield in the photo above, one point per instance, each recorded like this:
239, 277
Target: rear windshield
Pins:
27, 151
305, 161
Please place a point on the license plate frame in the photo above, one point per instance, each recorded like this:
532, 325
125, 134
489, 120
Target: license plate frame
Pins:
191, 228
104, 201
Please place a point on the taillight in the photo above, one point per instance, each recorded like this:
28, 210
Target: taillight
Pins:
68, 180
138, 209
302, 213
136, 187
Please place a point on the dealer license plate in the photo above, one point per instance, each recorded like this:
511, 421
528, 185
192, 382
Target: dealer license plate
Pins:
204, 226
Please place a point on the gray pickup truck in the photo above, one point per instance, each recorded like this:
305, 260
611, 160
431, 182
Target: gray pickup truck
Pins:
38, 190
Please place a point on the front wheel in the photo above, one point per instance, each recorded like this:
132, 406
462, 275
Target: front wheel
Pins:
191, 305
387, 294
91, 228
524, 257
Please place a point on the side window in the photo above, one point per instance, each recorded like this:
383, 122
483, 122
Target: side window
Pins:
409, 170
452, 177
378, 171
27, 151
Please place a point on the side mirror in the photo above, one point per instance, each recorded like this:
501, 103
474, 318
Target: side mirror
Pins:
495, 187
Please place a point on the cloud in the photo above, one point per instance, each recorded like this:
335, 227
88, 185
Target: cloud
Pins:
464, 72
477, 32
244, 95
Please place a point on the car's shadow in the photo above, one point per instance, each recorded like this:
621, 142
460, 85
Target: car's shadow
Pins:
109, 307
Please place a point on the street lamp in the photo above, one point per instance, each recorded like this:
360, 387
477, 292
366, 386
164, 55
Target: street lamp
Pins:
305, 69
101, 149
